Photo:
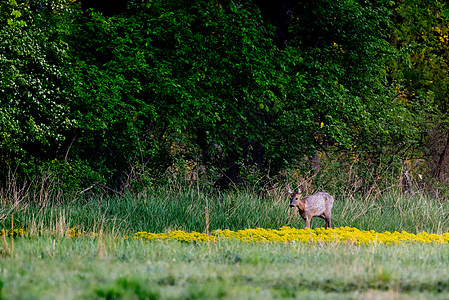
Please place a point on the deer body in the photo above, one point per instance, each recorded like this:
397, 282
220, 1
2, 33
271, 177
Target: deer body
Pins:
315, 205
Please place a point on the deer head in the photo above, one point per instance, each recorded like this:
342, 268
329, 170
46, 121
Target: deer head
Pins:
294, 197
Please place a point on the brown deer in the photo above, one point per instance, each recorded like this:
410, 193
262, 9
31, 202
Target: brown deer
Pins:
315, 205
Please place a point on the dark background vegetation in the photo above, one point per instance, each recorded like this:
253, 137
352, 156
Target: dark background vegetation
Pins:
118, 96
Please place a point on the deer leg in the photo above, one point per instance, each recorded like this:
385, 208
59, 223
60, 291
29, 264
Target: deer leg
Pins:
327, 217
307, 221
328, 223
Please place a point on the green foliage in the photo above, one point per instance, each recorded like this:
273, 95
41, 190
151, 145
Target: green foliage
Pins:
34, 109
419, 75
169, 81
121, 98
71, 177
129, 288
420, 33
346, 103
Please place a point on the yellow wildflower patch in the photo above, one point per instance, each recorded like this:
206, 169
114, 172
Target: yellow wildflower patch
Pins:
343, 235
14, 232
72, 232
288, 234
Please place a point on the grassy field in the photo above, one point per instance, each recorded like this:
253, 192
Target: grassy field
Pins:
184, 209
50, 267
47, 264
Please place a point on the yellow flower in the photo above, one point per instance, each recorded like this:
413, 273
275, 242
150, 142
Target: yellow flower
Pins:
346, 235
349, 235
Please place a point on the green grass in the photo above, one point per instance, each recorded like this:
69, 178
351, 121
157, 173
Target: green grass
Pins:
184, 209
49, 267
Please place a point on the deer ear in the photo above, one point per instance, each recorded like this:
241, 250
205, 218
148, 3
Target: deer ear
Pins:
299, 190
289, 190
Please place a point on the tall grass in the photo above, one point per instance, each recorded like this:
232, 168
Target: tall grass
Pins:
394, 211
183, 207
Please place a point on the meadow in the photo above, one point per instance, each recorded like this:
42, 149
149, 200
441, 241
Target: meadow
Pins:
182, 207
98, 248
54, 267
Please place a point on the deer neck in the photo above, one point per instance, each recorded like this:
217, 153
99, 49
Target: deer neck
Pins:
301, 204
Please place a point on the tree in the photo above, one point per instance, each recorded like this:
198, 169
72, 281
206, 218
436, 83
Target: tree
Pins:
347, 101
212, 81
34, 109
420, 34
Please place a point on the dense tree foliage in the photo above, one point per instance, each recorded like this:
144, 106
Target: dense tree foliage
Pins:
96, 92
35, 107
420, 75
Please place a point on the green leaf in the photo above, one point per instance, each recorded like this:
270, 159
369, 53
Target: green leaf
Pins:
446, 13
16, 13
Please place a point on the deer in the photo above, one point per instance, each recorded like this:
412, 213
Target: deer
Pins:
315, 205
